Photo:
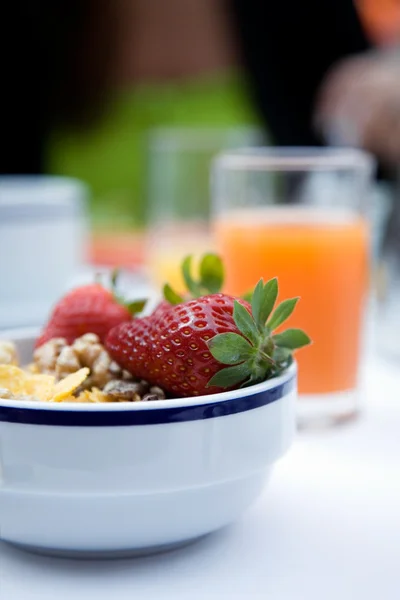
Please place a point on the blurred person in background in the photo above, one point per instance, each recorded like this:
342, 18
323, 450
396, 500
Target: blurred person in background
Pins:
85, 80
359, 101
361, 97
361, 94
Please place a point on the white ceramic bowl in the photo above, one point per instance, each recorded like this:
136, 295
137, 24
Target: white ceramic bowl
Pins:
132, 478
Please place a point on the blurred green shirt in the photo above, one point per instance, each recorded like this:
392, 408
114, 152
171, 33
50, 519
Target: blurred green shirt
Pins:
113, 156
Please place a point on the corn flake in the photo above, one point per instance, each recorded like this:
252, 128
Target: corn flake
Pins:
40, 386
93, 396
65, 388
96, 395
69, 399
12, 378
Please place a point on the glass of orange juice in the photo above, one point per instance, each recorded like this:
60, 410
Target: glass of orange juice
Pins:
301, 215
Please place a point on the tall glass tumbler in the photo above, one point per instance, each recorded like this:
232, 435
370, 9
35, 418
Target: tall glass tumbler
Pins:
179, 162
301, 215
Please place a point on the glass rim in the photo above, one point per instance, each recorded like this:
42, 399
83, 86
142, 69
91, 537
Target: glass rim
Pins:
295, 158
197, 138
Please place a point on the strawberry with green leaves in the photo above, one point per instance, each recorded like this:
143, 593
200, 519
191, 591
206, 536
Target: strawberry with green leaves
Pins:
209, 344
89, 308
254, 352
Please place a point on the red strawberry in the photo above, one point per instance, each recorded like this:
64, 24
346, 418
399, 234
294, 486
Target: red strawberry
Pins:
169, 348
184, 349
162, 308
86, 309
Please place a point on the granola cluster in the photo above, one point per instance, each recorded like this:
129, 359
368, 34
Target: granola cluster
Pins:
57, 358
85, 364
8, 353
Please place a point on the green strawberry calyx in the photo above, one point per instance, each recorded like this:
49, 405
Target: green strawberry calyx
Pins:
256, 353
134, 307
210, 279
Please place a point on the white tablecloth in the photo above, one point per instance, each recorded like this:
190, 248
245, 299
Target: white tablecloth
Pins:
327, 527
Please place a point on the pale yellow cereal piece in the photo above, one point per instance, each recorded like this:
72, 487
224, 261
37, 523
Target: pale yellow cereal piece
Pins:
97, 395
68, 385
70, 399
93, 396
82, 397
40, 386
12, 378
89, 396
32, 368
22, 383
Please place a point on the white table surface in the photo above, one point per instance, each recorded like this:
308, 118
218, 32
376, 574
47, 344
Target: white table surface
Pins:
327, 527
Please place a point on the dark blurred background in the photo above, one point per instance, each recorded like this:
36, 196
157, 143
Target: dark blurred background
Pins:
85, 84
85, 80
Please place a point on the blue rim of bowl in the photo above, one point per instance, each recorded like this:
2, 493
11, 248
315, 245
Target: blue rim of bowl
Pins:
154, 413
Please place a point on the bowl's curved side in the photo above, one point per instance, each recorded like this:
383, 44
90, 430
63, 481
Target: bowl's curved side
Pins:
126, 524
148, 457
84, 487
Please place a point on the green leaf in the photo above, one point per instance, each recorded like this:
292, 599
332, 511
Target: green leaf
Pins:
211, 273
283, 359
281, 355
230, 348
136, 306
266, 348
292, 339
245, 323
230, 376
170, 295
191, 285
246, 383
282, 312
269, 296
256, 303
248, 296
253, 379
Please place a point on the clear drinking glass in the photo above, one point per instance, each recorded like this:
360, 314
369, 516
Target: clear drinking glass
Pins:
388, 287
178, 194
301, 214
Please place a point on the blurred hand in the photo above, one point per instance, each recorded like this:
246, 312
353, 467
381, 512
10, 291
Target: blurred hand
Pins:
359, 104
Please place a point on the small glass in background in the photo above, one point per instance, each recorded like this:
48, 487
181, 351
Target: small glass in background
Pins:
43, 244
178, 194
302, 215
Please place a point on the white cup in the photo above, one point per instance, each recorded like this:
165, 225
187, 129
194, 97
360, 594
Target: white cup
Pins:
43, 236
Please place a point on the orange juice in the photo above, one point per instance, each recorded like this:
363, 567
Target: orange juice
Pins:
321, 256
